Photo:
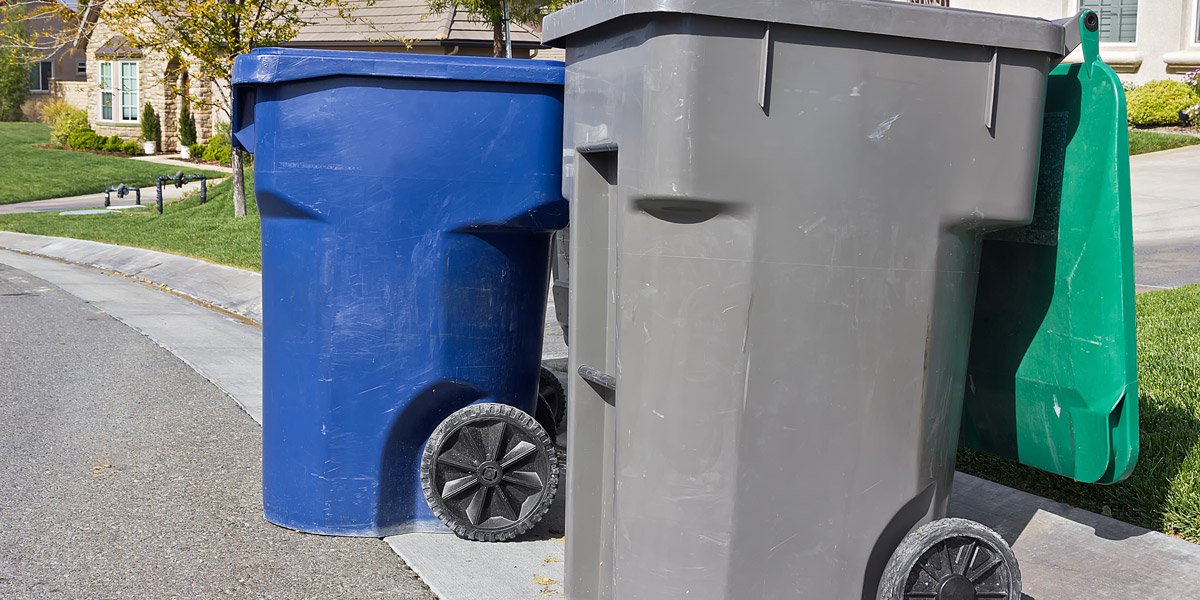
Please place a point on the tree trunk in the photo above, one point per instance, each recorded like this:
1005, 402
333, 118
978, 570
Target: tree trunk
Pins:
239, 184
498, 39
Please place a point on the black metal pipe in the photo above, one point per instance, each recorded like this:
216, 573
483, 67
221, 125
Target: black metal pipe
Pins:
158, 192
179, 179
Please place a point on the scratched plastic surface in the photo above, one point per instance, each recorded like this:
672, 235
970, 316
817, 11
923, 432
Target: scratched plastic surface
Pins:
407, 207
777, 210
1052, 378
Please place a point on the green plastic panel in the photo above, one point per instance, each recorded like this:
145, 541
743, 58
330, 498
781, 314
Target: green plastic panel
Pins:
1052, 375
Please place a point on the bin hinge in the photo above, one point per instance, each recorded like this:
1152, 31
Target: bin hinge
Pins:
1083, 28
598, 378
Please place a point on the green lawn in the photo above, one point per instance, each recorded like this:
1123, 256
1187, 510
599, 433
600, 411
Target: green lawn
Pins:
207, 231
1141, 142
30, 173
1164, 491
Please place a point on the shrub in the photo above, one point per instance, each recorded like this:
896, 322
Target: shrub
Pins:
187, 126
197, 151
218, 150
151, 127
67, 122
1160, 102
131, 148
85, 139
114, 144
54, 110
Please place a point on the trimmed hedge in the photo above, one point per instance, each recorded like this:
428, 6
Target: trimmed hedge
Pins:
85, 139
1160, 102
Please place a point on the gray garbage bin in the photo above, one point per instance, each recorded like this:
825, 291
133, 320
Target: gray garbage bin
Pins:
776, 211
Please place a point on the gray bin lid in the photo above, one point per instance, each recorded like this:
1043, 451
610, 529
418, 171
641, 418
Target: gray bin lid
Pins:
883, 17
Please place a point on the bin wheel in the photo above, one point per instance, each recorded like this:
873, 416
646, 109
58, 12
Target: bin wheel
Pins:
489, 472
552, 403
951, 559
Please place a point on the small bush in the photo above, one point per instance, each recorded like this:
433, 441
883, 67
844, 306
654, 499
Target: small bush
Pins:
54, 110
131, 148
151, 127
197, 151
218, 150
114, 144
1160, 102
65, 124
85, 139
187, 126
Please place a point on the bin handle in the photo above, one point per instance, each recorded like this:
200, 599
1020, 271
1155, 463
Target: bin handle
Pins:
598, 377
241, 124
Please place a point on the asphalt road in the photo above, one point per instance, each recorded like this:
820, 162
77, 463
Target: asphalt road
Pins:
127, 475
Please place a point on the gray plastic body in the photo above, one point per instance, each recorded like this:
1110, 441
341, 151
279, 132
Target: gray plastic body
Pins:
774, 251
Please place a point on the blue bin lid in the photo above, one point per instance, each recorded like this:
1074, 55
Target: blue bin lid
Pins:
276, 65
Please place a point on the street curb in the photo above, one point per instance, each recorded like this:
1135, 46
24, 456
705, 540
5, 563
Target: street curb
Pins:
230, 289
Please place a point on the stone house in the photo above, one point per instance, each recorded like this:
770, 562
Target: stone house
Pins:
121, 79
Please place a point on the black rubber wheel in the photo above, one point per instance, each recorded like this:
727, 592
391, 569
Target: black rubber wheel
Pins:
552, 403
951, 559
489, 472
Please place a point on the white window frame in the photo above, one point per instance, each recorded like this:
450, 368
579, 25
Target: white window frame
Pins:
117, 92
1079, 6
1195, 23
49, 80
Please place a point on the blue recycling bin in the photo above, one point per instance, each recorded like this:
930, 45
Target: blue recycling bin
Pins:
407, 206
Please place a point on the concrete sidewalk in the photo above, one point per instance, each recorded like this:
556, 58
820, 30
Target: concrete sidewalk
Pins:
1166, 218
174, 161
170, 194
1065, 553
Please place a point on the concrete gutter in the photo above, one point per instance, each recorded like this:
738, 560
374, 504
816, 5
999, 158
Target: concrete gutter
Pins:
237, 291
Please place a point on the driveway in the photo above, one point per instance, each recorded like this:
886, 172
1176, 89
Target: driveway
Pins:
1166, 218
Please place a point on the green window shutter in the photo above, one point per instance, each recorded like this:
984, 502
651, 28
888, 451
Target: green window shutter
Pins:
1118, 19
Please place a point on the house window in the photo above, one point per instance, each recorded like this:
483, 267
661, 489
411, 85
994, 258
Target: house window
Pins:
106, 93
39, 76
119, 91
129, 91
81, 67
1118, 19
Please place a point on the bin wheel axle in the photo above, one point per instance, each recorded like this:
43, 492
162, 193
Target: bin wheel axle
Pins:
489, 472
951, 559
